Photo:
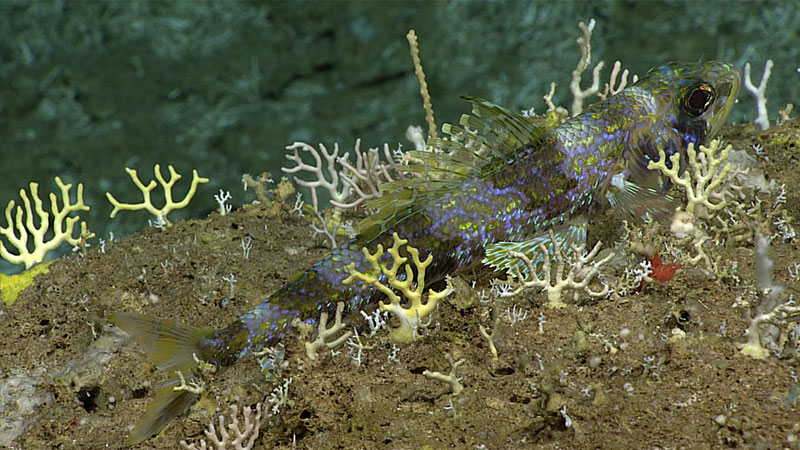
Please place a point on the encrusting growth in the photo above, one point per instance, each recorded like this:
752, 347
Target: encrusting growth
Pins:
169, 204
410, 318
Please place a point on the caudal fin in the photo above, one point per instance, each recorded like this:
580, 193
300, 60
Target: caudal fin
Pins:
167, 405
172, 347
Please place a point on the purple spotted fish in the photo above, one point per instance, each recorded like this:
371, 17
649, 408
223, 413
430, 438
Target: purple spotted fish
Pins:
517, 181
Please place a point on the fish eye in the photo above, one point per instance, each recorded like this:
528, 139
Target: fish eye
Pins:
700, 97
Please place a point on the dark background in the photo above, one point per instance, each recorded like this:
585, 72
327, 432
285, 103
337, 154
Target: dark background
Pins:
89, 88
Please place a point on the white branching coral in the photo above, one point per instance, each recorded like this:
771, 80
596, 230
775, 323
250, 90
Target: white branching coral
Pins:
580, 272
348, 184
759, 93
232, 436
585, 45
611, 87
709, 179
450, 378
409, 286
769, 315
366, 177
584, 42
324, 334
17, 232
325, 174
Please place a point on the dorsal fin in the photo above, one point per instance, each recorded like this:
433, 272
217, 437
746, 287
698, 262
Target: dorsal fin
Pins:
400, 200
490, 135
499, 129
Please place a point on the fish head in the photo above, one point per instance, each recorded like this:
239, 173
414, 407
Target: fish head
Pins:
684, 103
695, 97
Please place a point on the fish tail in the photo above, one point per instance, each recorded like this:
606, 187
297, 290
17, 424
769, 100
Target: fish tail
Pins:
172, 347
167, 405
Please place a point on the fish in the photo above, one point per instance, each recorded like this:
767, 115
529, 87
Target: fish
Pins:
495, 182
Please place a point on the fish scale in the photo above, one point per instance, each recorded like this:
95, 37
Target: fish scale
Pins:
466, 210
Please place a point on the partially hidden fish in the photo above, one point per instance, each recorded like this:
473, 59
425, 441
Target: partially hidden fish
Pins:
523, 181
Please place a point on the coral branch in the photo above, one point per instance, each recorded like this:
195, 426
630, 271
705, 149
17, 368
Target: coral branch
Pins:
367, 176
423, 85
585, 44
410, 318
705, 178
17, 232
169, 204
769, 308
330, 182
451, 378
232, 436
759, 92
555, 287
611, 88
323, 333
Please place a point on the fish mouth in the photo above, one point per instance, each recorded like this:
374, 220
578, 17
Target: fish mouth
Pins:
727, 92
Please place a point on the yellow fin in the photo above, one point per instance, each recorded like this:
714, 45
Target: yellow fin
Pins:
171, 346
167, 405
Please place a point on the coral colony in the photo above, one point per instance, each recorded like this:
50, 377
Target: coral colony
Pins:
412, 289
17, 232
578, 277
714, 209
146, 204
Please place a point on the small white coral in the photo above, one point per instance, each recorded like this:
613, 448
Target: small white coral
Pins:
325, 174
232, 436
367, 176
585, 45
324, 334
759, 92
451, 378
579, 270
340, 177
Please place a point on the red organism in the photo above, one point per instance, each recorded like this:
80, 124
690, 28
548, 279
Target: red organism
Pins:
661, 272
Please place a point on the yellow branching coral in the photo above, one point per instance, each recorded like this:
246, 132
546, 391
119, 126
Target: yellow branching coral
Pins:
410, 318
17, 232
710, 176
169, 205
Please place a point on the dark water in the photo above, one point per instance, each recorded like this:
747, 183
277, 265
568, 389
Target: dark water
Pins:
88, 88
